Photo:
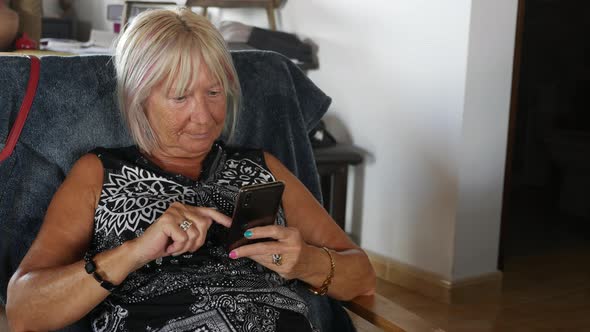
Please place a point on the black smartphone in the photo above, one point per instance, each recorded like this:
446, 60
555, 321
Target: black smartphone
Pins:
256, 205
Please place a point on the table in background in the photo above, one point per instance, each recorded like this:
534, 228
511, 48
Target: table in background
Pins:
333, 163
269, 5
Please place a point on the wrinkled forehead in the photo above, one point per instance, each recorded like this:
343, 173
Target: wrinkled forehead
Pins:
186, 71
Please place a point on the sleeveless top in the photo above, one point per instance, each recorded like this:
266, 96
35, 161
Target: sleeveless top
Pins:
203, 291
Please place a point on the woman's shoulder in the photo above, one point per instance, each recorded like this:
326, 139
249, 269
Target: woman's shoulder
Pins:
87, 172
87, 162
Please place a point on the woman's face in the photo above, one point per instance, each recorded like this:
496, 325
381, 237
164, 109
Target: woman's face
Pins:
186, 124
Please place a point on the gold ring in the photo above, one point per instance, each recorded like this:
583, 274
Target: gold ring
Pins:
185, 224
277, 259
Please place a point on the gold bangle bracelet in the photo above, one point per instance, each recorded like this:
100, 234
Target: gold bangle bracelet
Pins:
323, 289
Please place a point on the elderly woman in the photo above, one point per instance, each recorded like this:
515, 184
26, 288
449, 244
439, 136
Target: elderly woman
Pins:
134, 235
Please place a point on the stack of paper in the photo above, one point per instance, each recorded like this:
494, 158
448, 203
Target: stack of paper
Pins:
101, 42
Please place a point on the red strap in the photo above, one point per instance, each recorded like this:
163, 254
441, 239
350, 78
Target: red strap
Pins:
25, 107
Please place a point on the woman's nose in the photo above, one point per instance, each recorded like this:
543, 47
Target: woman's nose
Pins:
199, 111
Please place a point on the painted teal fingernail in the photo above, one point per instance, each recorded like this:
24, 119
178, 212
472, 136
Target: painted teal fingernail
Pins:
248, 233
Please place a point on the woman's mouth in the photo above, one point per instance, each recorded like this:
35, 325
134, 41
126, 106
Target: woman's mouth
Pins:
197, 135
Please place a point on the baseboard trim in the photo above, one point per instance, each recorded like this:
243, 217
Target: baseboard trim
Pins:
484, 287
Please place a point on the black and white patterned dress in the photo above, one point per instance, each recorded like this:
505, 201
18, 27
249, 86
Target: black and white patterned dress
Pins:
204, 291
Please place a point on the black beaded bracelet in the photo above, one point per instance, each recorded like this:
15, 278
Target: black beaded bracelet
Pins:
90, 268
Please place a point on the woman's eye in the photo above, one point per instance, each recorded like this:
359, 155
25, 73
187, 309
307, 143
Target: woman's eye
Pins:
213, 93
179, 98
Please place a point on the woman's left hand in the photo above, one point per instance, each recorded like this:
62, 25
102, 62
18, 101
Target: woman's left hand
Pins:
289, 245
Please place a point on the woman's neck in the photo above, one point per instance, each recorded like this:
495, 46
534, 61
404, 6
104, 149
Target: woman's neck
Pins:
189, 167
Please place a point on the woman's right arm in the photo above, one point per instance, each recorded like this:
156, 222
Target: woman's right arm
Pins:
51, 289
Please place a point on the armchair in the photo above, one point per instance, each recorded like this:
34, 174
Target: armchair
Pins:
74, 110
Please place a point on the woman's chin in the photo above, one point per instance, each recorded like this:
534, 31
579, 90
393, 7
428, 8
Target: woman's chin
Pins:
197, 145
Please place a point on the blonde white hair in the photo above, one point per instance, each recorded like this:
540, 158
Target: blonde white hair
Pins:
168, 46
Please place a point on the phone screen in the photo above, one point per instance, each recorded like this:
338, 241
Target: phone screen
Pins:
256, 205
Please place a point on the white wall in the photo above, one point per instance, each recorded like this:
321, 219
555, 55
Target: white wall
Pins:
95, 12
484, 136
396, 72
423, 86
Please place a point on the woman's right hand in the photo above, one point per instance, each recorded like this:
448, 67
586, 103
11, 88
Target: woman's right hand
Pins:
165, 236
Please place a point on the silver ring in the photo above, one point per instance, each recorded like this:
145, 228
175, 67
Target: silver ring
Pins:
185, 224
277, 259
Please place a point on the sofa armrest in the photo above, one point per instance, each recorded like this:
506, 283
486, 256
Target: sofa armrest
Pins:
388, 316
361, 324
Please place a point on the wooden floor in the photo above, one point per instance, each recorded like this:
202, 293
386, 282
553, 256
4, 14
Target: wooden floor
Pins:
549, 292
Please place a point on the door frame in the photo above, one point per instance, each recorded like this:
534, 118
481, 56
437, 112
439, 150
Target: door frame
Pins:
511, 129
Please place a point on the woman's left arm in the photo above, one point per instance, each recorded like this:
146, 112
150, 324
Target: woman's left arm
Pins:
309, 229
